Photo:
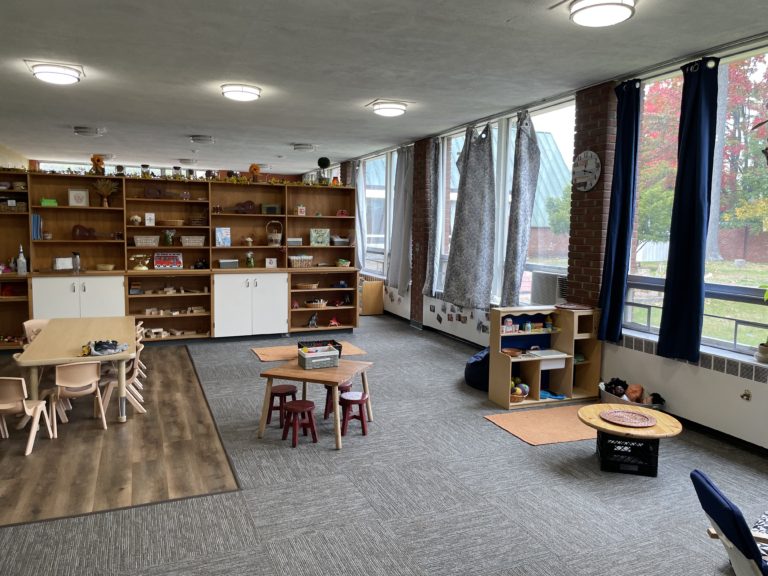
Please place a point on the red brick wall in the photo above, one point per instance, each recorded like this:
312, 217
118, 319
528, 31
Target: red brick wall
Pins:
596, 131
737, 243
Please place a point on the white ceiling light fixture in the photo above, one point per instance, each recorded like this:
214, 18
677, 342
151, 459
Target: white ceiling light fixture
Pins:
202, 139
90, 131
56, 73
241, 92
389, 108
599, 13
299, 147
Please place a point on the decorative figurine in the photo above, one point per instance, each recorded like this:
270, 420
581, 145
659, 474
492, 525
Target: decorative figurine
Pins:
295, 304
254, 170
97, 165
119, 170
334, 322
312, 321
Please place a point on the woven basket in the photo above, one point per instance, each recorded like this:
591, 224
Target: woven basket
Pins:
517, 397
307, 286
303, 261
193, 241
146, 241
320, 303
170, 222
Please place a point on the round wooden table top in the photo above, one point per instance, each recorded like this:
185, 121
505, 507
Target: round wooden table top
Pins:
666, 426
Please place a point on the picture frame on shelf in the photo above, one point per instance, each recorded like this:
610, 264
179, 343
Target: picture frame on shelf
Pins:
223, 236
319, 237
271, 262
78, 197
149, 219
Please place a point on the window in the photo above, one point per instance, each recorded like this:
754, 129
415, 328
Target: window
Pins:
737, 243
379, 178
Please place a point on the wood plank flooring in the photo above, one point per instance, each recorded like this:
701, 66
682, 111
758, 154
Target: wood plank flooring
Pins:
171, 452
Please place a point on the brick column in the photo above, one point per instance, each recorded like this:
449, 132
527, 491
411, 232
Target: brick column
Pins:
595, 131
423, 156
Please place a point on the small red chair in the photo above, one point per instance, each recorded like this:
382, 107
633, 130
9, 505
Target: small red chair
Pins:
281, 392
348, 400
343, 387
299, 414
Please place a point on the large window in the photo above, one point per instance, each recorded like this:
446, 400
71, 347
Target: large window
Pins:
378, 175
737, 242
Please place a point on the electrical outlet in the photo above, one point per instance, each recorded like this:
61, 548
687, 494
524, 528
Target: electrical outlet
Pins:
747, 395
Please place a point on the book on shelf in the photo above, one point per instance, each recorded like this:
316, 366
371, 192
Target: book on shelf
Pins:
223, 236
37, 227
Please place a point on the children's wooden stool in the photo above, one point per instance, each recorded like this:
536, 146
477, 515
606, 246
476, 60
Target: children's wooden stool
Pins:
299, 415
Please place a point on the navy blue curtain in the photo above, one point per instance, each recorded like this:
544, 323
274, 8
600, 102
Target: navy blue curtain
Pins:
681, 316
618, 242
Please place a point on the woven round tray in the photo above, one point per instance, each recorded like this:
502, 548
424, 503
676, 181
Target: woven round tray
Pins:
628, 418
318, 304
307, 286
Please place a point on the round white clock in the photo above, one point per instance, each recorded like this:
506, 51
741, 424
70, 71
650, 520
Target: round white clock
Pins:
586, 171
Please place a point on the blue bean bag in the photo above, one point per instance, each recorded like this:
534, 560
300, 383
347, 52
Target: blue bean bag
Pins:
476, 370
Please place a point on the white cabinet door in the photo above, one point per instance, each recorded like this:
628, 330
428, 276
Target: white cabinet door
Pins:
101, 296
232, 304
55, 298
270, 303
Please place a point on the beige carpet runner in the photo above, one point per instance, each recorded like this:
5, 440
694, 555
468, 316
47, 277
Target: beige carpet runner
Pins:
545, 426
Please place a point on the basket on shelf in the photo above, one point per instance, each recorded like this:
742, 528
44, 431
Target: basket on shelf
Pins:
170, 222
307, 285
343, 263
198, 241
517, 397
316, 303
198, 221
146, 241
302, 261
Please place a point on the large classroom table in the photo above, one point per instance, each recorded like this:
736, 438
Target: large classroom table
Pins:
62, 340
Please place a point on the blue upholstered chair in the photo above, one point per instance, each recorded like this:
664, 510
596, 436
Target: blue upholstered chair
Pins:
747, 549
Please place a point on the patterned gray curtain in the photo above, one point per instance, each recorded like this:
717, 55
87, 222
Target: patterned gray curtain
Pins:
469, 275
399, 269
361, 222
433, 209
522, 196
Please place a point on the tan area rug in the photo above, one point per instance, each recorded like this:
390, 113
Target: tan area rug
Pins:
545, 426
273, 353
173, 451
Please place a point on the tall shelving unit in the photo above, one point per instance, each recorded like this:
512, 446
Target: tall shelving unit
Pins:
572, 368
14, 291
180, 301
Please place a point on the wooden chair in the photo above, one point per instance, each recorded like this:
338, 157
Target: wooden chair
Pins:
745, 547
13, 400
74, 381
131, 378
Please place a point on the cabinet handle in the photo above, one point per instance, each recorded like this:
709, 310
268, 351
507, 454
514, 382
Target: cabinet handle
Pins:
247, 283
83, 286
74, 288
255, 283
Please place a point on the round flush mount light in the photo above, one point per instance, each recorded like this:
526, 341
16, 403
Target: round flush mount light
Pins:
241, 92
56, 73
599, 13
389, 108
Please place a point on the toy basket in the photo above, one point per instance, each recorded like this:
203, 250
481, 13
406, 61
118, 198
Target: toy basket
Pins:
303, 261
307, 285
170, 222
146, 241
193, 241
316, 303
517, 397
274, 233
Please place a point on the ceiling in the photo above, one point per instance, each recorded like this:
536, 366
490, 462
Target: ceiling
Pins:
153, 70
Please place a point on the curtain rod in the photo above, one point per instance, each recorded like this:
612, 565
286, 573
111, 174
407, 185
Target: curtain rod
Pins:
754, 42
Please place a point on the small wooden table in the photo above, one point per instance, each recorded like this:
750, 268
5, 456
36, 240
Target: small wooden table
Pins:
61, 342
628, 449
346, 370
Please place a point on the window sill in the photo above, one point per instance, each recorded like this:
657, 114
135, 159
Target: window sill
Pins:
728, 362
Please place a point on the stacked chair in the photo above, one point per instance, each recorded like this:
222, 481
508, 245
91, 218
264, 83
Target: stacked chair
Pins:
13, 401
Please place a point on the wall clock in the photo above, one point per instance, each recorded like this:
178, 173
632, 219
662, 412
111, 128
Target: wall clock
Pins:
586, 171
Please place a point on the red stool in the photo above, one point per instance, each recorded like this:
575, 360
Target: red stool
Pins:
299, 415
281, 392
343, 387
347, 401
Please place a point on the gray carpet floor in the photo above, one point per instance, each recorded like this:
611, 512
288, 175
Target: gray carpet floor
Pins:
433, 489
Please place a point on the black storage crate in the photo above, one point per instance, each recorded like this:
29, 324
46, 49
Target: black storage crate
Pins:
627, 455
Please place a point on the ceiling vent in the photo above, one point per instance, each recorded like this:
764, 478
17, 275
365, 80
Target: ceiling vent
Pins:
93, 132
299, 147
187, 161
202, 139
106, 155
